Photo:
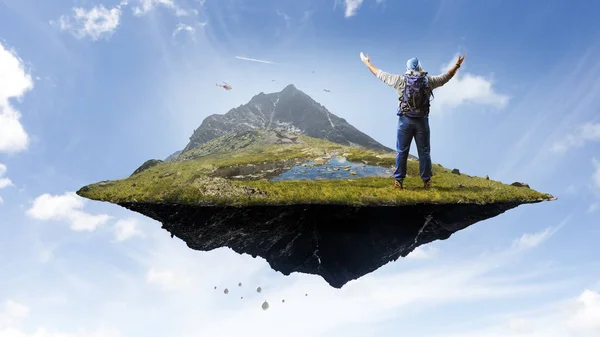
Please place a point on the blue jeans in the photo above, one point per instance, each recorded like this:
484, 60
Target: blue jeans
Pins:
409, 127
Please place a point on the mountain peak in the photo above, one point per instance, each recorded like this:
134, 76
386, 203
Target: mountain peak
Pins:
289, 87
290, 109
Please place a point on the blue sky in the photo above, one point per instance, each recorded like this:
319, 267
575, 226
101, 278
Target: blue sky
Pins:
91, 89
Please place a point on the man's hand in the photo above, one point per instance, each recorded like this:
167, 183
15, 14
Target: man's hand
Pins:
366, 60
460, 60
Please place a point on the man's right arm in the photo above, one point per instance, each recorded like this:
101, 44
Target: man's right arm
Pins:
389, 79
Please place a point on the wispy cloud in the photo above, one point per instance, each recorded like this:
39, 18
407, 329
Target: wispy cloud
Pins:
585, 133
596, 174
352, 7
15, 81
167, 279
254, 60
100, 22
146, 6
423, 253
177, 278
184, 28
532, 240
536, 160
66, 207
286, 18
95, 23
126, 229
576, 316
4, 182
14, 314
529, 240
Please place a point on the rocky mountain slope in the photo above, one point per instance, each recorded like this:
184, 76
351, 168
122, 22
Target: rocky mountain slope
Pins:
290, 110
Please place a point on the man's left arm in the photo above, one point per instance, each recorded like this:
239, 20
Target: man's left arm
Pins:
438, 81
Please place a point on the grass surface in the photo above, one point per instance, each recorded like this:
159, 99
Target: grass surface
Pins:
189, 182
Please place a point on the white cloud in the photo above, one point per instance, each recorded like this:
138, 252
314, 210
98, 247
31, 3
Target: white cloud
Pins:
352, 7
533, 240
520, 326
585, 316
467, 88
127, 228
393, 294
101, 22
14, 314
96, 23
167, 279
585, 133
4, 182
185, 28
575, 317
146, 6
66, 207
14, 83
422, 253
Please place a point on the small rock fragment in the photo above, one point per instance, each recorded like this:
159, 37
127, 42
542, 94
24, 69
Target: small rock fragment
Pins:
259, 289
265, 306
240, 284
282, 301
215, 287
226, 291
455, 171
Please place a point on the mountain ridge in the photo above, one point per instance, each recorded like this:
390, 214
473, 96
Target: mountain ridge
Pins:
290, 110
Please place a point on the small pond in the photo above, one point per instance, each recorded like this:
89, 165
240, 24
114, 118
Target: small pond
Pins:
335, 168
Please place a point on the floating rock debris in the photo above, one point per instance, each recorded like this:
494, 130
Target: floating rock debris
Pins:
259, 289
265, 306
226, 291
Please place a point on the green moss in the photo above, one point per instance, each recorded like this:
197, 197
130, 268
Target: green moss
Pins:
189, 181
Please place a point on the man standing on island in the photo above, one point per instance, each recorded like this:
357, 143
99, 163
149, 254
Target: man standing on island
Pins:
414, 89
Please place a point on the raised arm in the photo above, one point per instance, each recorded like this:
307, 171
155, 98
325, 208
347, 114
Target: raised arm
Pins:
438, 81
389, 79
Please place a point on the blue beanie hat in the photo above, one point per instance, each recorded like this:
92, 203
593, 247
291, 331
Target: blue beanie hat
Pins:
413, 64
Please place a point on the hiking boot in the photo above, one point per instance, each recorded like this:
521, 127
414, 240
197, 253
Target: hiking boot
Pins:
427, 184
398, 184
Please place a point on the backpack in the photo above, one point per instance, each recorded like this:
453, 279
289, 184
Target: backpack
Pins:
414, 101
